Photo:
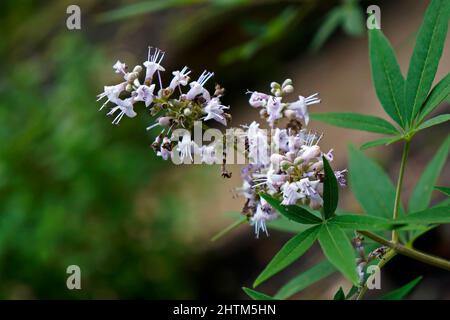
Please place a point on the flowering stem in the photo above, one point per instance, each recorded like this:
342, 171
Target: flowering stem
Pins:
231, 227
386, 258
398, 191
409, 252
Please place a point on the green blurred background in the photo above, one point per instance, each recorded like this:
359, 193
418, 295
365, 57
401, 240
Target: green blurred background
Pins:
75, 189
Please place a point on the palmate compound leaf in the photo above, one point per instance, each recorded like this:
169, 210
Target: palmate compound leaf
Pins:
426, 55
304, 280
291, 251
337, 248
387, 77
296, 213
402, 292
356, 121
421, 195
330, 190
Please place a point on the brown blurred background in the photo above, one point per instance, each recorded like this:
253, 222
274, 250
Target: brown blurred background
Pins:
76, 190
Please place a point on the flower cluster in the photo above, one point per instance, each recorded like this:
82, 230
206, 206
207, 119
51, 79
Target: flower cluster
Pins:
289, 167
273, 108
173, 108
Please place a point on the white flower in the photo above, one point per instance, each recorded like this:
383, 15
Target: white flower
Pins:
145, 93
185, 147
120, 67
258, 99
329, 155
180, 78
247, 190
300, 106
257, 144
291, 193
340, 177
197, 87
274, 110
310, 152
214, 110
281, 139
165, 149
153, 63
294, 143
275, 180
208, 154
111, 93
309, 189
125, 107
263, 214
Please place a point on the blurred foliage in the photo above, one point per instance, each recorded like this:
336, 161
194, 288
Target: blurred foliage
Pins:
286, 19
71, 184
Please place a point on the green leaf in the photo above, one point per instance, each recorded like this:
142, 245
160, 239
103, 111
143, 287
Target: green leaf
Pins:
337, 248
439, 93
370, 184
296, 213
353, 290
145, 7
285, 225
363, 222
353, 22
291, 251
339, 295
332, 21
229, 228
330, 190
379, 142
439, 214
355, 121
305, 279
434, 121
387, 77
275, 28
402, 292
444, 190
426, 55
255, 295
421, 196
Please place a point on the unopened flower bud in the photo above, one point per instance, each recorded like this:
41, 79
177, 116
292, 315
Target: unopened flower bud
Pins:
132, 76
288, 89
318, 166
129, 87
285, 164
276, 158
137, 69
310, 152
187, 112
165, 121
298, 160
287, 82
290, 114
